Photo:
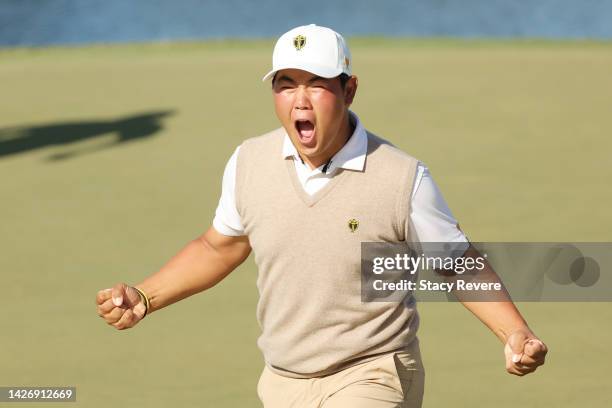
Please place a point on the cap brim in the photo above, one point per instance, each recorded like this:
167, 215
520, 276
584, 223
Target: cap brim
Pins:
324, 72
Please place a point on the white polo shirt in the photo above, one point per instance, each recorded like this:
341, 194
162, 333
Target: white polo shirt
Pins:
429, 213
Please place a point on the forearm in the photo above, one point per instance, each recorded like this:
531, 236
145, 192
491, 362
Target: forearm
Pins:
200, 265
502, 318
497, 312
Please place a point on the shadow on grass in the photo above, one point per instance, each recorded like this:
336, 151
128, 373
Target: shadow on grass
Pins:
21, 139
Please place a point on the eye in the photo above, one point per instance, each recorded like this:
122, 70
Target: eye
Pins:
283, 87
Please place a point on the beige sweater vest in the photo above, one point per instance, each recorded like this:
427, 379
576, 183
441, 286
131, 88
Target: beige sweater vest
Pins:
310, 310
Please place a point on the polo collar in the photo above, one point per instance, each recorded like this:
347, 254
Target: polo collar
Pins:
351, 156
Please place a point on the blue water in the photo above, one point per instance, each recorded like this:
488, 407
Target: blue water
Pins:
45, 22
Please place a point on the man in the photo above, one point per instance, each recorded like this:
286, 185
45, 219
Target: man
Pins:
304, 197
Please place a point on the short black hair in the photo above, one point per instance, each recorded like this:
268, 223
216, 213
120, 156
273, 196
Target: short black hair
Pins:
344, 78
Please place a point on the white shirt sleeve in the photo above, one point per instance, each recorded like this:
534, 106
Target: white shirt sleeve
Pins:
227, 220
430, 215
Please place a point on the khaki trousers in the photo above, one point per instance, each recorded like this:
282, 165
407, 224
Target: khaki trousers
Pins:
392, 380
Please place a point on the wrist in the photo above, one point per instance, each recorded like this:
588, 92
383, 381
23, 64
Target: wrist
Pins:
145, 300
506, 333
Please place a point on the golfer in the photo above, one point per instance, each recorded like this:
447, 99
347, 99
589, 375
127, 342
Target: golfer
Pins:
303, 198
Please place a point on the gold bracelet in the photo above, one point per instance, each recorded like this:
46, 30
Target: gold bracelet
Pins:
145, 300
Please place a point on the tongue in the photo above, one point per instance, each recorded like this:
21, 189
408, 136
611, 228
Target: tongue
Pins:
306, 129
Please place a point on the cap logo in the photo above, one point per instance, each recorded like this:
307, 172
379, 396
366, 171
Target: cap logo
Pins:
346, 62
299, 42
353, 224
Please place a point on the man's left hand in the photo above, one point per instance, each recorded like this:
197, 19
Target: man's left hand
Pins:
524, 352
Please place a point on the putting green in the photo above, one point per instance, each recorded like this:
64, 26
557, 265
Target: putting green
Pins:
516, 134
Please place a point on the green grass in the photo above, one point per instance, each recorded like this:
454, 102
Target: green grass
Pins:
516, 134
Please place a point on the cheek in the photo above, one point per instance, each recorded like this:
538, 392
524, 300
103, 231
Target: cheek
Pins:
282, 106
327, 108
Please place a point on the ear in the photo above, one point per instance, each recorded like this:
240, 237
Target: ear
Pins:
350, 89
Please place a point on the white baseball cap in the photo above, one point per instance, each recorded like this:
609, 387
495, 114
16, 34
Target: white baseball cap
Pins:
312, 48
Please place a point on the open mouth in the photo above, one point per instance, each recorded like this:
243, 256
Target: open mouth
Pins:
305, 130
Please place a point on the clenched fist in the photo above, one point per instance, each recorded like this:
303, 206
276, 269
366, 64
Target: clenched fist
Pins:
121, 306
524, 352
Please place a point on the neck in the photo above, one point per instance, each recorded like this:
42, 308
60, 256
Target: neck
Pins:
344, 134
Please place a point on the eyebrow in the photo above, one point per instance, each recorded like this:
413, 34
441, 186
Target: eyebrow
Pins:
286, 79
315, 79
292, 81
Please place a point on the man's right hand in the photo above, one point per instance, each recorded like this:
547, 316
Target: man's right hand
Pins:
120, 306
200, 265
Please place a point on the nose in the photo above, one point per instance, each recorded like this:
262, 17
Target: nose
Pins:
302, 101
